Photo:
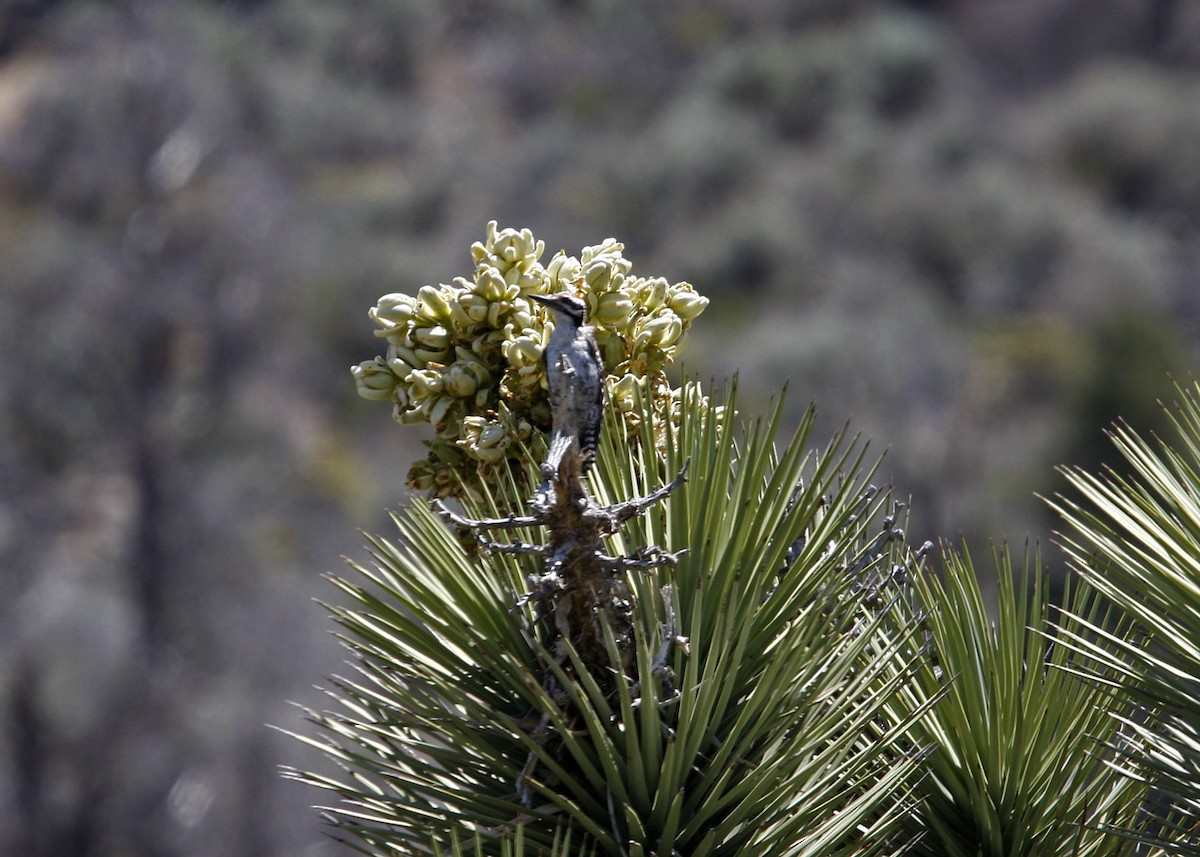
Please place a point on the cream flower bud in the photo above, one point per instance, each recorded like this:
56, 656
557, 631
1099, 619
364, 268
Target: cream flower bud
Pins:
402, 360
613, 309
599, 276
522, 319
431, 355
392, 310
482, 438
532, 280
415, 414
468, 357
374, 380
436, 338
686, 303
608, 247
464, 378
625, 393
425, 383
480, 249
460, 321
663, 330
439, 411
490, 284
475, 307
513, 246
513, 253
432, 305
560, 273
524, 351
460, 383
652, 294
497, 312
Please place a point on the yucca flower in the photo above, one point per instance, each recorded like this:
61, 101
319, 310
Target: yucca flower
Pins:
466, 357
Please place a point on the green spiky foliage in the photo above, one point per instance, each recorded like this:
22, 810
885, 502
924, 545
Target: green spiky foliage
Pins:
1015, 764
515, 846
768, 732
1135, 536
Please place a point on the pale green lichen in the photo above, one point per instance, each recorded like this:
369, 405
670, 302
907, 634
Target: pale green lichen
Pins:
467, 357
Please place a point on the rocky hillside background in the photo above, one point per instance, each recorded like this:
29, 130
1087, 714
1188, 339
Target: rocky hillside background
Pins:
970, 228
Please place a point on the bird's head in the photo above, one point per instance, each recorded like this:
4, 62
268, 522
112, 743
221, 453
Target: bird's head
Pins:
564, 305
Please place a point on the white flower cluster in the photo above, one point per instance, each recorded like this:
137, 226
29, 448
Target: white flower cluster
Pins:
467, 357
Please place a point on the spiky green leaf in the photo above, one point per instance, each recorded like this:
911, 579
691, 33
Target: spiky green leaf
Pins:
772, 732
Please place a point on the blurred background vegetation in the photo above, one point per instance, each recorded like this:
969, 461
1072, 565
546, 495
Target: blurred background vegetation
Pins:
972, 228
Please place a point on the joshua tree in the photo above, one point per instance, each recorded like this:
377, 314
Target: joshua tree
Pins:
700, 639
699, 667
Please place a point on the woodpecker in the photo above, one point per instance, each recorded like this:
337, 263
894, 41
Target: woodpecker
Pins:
575, 374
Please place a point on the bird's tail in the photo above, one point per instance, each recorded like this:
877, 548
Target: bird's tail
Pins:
565, 456
560, 446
